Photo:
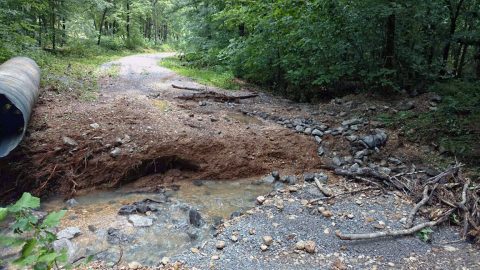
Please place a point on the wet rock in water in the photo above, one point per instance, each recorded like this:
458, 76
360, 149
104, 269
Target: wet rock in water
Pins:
127, 210
376, 140
268, 179
116, 237
140, 221
198, 183
69, 141
141, 207
192, 234
65, 245
69, 233
195, 218
260, 200
276, 175
71, 203
235, 214
406, 106
291, 180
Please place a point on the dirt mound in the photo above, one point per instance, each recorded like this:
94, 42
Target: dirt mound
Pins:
75, 146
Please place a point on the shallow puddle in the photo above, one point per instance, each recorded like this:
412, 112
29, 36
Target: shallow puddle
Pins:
108, 235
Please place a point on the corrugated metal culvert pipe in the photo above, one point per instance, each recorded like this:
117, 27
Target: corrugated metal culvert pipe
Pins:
19, 88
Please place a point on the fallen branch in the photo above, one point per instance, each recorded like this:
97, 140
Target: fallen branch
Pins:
216, 97
415, 209
412, 230
188, 88
326, 191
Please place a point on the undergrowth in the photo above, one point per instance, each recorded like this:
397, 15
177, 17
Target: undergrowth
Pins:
212, 76
453, 127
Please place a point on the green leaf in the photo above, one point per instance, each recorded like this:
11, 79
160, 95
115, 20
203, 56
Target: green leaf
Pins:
24, 261
29, 247
49, 257
3, 213
27, 201
53, 219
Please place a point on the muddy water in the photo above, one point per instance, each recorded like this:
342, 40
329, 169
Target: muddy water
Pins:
107, 234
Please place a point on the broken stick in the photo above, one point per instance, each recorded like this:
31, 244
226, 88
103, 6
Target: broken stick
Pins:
188, 88
412, 230
326, 191
415, 209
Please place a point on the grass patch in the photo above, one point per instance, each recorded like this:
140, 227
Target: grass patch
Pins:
211, 76
453, 127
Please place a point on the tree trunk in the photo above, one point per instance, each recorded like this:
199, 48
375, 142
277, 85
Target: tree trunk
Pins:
389, 53
52, 25
461, 62
64, 32
454, 12
477, 62
102, 20
128, 19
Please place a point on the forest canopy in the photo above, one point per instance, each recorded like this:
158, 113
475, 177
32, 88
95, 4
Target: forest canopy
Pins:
297, 48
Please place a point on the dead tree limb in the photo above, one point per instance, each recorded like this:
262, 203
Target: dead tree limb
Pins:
326, 191
216, 97
415, 209
189, 88
412, 230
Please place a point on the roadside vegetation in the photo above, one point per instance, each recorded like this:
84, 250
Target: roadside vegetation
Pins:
452, 127
217, 76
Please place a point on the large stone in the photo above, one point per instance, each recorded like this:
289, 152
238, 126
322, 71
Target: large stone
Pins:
376, 140
195, 218
406, 106
69, 233
310, 246
317, 132
140, 221
67, 245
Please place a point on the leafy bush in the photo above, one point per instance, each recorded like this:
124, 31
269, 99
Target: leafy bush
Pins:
34, 235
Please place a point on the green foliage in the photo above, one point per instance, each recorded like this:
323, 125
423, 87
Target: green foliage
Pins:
33, 235
425, 234
301, 48
213, 76
453, 126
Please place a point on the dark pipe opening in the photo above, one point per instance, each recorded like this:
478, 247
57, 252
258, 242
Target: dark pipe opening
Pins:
11, 120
